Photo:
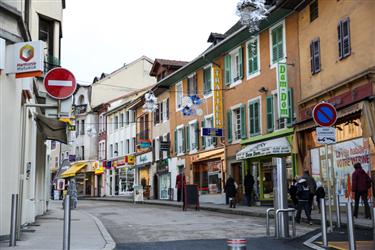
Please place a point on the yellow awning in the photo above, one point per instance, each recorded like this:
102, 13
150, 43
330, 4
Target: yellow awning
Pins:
72, 171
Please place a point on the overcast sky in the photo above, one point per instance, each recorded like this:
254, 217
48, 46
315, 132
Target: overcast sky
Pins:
101, 35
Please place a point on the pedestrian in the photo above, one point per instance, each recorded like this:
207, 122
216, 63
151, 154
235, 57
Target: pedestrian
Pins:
231, 190
361, 183
249, 186
179, 185
320, 193
293, 192
312, 186
303, 195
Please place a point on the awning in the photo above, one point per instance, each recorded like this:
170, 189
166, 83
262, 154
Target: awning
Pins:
218, 153
276, 147
72, 171
51, 129
368, 120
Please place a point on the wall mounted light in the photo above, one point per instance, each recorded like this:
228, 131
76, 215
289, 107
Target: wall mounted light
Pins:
263, 90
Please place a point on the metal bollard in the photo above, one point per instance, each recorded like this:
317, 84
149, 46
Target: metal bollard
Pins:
236, 244
294, 223
66, 235
338, 214
268, 221
352, 245
13, 220
323, 222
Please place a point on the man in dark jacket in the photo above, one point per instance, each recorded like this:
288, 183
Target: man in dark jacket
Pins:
249, 185
231, 190
361, 182
303, 195
312, 186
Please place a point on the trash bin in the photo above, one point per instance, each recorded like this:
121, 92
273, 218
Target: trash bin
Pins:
236, 244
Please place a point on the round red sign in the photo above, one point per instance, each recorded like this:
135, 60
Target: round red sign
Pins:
324, 114
60, 83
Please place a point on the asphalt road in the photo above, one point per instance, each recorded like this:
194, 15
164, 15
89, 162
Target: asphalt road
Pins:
139, 226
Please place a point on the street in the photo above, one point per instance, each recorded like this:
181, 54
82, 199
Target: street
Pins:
140, 226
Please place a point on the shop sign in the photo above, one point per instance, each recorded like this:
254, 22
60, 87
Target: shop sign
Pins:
218, 98
25, 57
99, 168
144, 144
213, 132
162, 166
164, 145
143, 158
282, 90
129, 159
72, 158
272, 147
326, 135
108, 164
121, 162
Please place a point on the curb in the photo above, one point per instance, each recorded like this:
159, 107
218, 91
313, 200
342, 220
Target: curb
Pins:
110, 244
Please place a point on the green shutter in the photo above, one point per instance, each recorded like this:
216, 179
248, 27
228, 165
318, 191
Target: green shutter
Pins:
203, 138
251, 120
227, 71
255, 57
183, 140
274, 46
229, 123
175, 141
290, 107
270, 113
187, 138
256, 118
277, 44
240, 53
243, 122
196, 135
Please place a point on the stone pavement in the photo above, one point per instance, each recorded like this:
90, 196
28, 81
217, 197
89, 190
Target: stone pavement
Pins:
243, 210
87, 232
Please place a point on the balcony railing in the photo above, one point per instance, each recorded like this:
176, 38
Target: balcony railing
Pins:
50, 62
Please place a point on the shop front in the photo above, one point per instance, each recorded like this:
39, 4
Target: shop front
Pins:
164, 180
260, 159
143, 166
99, 180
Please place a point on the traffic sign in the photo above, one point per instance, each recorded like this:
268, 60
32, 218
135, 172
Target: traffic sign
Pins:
324, 114
60, 83
326, 135
215, 132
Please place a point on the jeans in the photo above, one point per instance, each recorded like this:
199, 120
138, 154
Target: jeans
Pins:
249, 194
305, 205
363, 196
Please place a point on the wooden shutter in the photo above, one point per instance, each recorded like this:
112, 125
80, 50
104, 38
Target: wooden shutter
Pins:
270, 116
161, 112
229, 124
167, 109
274, 46
203, 137
346, 37
290, 107
175, 142
187, 130
251, 118
156, 114
316, 55
312, 57
160, 152
256, 117
339, 39
240, 55
243, 122
169, 150
255, 57
153, 150
196, 135
183, 144
227, 70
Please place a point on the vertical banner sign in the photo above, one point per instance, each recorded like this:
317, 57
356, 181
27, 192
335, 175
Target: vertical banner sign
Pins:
218, 99
282, 90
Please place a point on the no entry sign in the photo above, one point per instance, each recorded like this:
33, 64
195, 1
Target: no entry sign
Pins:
60, 83
324, 114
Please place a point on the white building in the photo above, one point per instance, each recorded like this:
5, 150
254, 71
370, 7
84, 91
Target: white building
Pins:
23, 168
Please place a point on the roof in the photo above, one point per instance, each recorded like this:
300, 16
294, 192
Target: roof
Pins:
214, 37
166, 63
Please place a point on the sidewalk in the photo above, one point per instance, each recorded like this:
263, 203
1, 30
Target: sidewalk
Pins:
87, 232
242, 210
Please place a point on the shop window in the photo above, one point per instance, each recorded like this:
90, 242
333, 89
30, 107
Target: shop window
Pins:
207, 175
233, 67
207, 81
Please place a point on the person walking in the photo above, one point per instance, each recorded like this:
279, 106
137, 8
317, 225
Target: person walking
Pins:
249, 186
179, 185
312, 186
293, 192
320, 193
303, 195
361, 183
231, 190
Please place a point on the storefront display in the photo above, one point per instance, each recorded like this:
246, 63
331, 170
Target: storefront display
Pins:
164, 186
207, 175
126, 176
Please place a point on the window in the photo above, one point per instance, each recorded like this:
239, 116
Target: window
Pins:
121, 120
165, 139
253, 57
237, 124
254, 115
179, 95
111, 151
193, 136
315, 56
122, 149
77, 128
314, 10
82, 127
343, 30
144, 129
165, 113
157, 114
208, 123
157, 149
278, 48
272, 112
116, 153
127, 146
133, 145
180, 142
127, 117
116, 122
77, 153
82, 152
101, 123
46, 33
192, 85
207, 85
233, 66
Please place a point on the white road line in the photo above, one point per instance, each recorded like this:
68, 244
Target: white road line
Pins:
309, 243
60, 83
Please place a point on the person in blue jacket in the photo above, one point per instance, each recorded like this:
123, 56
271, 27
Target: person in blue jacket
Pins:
303, 196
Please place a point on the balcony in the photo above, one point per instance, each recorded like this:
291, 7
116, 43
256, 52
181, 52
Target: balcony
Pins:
50, 62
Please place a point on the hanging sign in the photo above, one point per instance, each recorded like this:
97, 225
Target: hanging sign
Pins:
218, 99
282, 90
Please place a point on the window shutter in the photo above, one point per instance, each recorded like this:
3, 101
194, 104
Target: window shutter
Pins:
243, 122
316, 56
255, 56
227, 72
203, 137
280, 54
270, 113
168, 140
156, 115
251, 115
167, 109
339, 39
187, 128
175, 142
346, 37
160, 152
195, 84
161, 112
183, 144
153, 150
274, 46
240, 53
229, 123
256, 117
290, 107
196, 135
312, 57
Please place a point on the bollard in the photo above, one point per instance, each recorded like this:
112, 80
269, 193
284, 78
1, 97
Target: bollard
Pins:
352, 245
236, 244
13, 220
268, 221
323, 222
338, 214
66, 233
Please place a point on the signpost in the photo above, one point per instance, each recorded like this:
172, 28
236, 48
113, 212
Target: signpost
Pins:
325, 115
214, 132
60, 83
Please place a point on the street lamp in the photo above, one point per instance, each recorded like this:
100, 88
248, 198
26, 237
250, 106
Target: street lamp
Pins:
251, 13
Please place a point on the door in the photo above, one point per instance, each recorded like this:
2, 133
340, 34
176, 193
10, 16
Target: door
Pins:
156, 187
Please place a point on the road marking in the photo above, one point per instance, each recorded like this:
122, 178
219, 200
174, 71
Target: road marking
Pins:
309, 243
60, 83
